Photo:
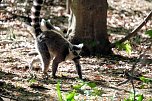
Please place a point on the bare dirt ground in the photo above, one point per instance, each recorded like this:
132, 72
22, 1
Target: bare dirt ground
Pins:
106, 71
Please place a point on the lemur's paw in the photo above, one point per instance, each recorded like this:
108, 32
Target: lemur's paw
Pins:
45, 76
54, 76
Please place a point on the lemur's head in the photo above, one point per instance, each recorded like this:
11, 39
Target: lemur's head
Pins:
74, 52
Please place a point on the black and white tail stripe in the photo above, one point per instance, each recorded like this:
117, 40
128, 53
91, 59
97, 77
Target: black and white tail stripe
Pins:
35, 16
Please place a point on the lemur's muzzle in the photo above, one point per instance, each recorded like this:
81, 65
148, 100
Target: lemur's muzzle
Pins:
77, 57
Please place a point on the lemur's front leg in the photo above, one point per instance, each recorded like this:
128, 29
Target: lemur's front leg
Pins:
78, 67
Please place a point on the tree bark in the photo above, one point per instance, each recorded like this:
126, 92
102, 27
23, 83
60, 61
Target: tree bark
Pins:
88, 24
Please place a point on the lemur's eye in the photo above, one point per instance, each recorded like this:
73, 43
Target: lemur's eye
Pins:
75, 53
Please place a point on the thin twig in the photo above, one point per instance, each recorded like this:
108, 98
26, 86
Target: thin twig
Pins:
134, 32
124, 82
133, 86
131, 77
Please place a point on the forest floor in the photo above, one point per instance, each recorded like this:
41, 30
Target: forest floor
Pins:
105, 74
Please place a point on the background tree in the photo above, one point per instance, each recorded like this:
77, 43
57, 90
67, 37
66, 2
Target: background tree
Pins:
88, 24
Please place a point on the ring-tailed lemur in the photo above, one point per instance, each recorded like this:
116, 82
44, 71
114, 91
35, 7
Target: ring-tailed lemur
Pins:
51, 44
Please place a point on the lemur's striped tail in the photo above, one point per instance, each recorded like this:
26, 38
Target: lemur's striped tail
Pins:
35, 16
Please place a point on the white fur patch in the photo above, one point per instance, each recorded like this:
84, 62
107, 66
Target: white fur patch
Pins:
35, 3
80, 45
32, 16
33, 9
43, 25
44, 28
57, 28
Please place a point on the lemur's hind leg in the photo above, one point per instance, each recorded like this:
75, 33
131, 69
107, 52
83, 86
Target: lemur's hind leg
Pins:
58, 59
45, 57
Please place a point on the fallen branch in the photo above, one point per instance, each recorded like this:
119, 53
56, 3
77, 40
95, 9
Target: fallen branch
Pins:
134, 32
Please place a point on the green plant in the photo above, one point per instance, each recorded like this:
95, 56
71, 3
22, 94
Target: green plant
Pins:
93, 90
78, 86
32, 81
82, 87
125, 46
70, 96
149, 33
59, 91
146, 80
138, 97
150, 100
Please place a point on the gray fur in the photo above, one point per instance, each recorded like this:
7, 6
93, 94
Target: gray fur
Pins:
52, 45
46, 26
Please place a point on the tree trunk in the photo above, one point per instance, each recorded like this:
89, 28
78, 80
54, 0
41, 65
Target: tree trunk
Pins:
88, 24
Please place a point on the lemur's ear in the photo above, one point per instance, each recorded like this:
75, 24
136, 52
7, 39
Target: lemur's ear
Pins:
80, 45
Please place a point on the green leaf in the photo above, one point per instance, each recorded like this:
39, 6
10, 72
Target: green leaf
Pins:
150, 100
143, 79
91, 84
59, 91
119, 46
97, 92
78, 86
146, 80
142, 86
70, 96
149, 32
128, 100
124, 46
32, 81
128, 48
140, 97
